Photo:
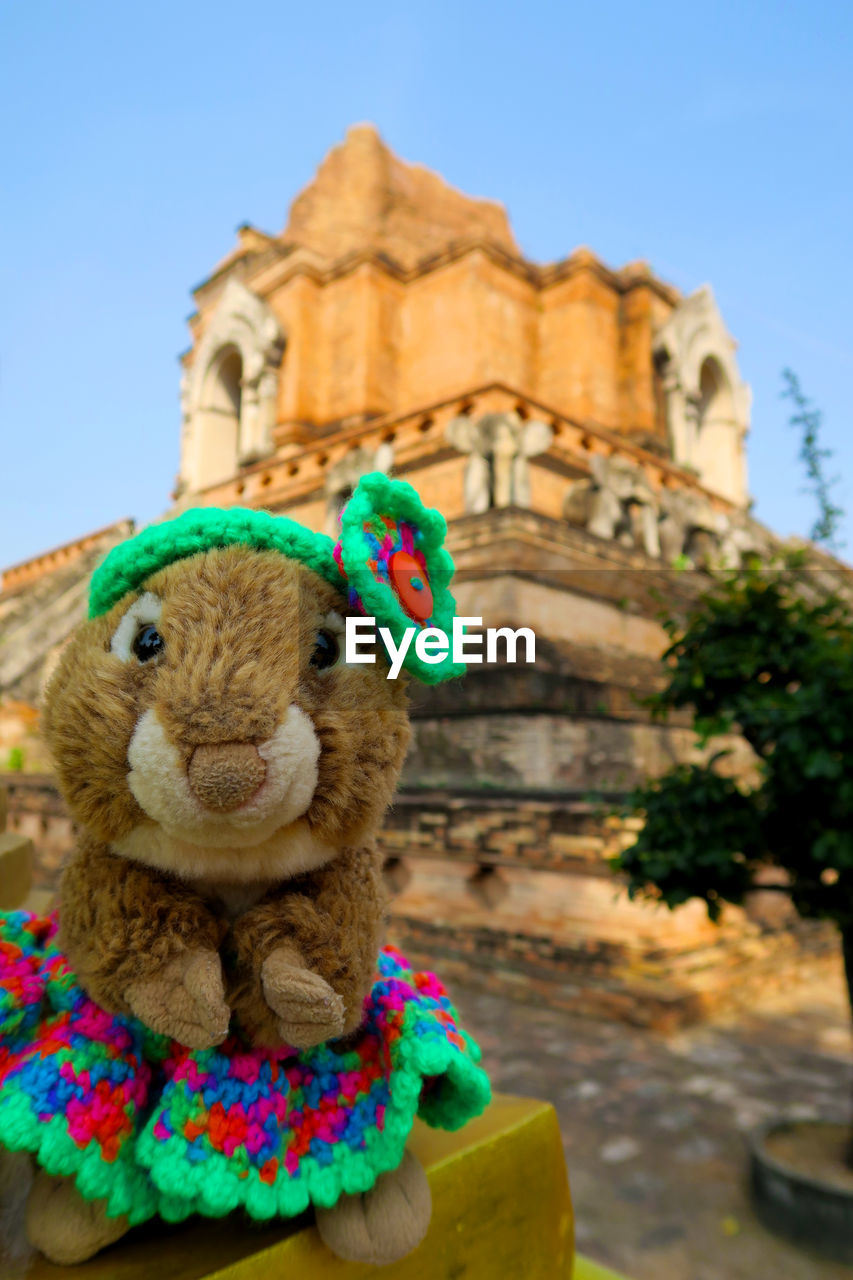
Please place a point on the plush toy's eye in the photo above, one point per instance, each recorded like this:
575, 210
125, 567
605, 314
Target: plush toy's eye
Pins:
327, 650
137, 635
147, 642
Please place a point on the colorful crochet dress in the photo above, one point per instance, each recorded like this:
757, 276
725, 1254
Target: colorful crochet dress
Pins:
155, 1128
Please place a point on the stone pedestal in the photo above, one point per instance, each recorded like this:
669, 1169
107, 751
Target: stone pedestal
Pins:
501, 1207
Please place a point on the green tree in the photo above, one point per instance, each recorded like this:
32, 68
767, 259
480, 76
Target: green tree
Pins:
769, 654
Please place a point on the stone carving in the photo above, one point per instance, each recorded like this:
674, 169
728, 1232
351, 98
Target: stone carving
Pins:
709, 539
707, 403
499, 446
344, 475
244, 343
619, 503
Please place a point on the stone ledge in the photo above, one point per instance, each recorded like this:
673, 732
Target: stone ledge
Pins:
501, 1207
669, 990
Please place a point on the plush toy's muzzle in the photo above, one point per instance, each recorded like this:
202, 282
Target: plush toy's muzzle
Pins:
220, 793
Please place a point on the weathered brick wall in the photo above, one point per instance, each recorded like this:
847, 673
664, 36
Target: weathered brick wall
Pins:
557, 834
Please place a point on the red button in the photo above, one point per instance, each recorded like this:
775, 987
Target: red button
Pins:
409, 580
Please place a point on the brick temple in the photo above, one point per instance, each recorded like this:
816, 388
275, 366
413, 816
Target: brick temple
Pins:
583, 430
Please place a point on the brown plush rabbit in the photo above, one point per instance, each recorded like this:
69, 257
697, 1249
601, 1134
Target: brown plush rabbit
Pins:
229, 769
230, 772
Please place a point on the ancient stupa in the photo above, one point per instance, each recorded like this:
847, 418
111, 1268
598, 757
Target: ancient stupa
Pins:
582, 428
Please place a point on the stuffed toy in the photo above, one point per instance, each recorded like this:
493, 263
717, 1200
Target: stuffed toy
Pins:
210, 1021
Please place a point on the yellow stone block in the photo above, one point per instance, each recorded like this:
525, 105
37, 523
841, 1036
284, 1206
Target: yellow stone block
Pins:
501, 1211
585, 1269
16, 869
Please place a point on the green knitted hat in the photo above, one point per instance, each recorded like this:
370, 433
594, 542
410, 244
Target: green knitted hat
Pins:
390, 559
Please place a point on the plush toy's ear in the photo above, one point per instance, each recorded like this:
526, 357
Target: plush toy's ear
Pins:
391, 551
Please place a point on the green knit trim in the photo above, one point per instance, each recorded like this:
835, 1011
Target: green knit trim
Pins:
129, 564
154, 1177
122, 1184
378, 495
214, 1186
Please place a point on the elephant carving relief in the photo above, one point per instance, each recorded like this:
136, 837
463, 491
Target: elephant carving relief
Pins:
499, 447
618, 503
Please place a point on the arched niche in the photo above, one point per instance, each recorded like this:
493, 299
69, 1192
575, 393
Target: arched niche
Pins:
217, 418
230, 390
718, 456
707, 402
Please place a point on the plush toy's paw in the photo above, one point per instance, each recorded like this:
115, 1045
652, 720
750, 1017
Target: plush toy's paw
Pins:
185, 1001
65, 1227
383, 1224
307, 1008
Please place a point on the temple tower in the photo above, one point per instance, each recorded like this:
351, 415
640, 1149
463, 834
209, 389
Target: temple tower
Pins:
392, 306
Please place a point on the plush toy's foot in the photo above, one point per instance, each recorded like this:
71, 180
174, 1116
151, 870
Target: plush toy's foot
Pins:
383, 1224
65, 1227
308, 1010
185, 1001
16, 1180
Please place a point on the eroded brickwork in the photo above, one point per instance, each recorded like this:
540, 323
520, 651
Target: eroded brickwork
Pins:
516, 896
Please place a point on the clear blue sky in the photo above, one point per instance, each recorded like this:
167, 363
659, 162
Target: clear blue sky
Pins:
714, 141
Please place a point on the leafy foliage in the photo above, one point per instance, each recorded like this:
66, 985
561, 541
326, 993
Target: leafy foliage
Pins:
697, 825
769, 655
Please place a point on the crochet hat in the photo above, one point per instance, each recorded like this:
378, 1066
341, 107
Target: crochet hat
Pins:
389, 560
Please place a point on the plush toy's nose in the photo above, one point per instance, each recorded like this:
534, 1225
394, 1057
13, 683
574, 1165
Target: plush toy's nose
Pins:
224, 775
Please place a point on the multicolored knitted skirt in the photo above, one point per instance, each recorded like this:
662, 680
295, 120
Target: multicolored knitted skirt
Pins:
155, 1128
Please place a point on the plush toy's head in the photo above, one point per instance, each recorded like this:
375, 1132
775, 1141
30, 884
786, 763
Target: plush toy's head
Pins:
205, 720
